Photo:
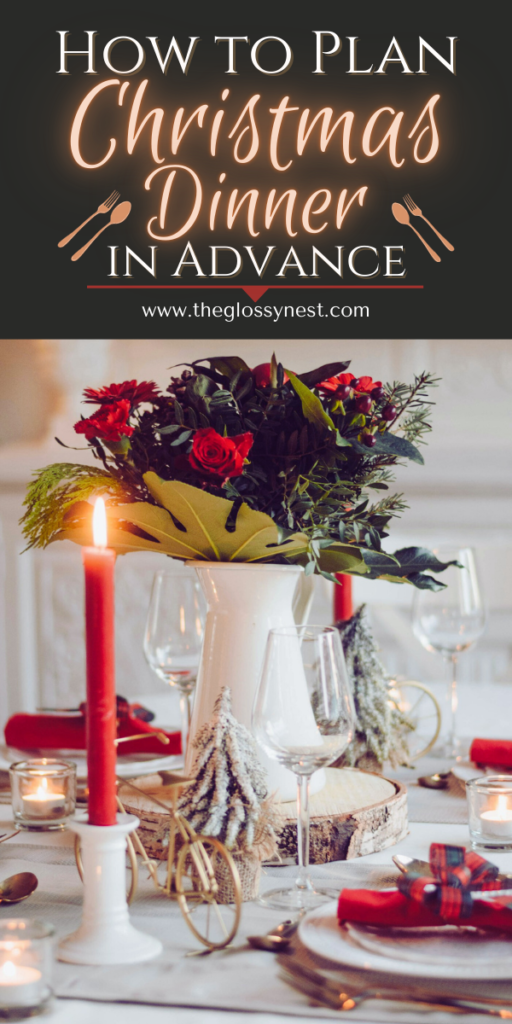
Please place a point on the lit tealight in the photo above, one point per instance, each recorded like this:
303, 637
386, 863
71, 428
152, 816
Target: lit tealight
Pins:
19, 986
498, 821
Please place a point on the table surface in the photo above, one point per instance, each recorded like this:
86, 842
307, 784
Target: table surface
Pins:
433, 816
59, 897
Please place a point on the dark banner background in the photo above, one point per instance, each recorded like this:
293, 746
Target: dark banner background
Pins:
463, 191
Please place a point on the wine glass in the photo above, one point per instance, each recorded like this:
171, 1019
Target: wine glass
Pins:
450, 621
303, 717
174, 635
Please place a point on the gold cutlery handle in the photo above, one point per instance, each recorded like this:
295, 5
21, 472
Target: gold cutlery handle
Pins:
76, 255
64, 241
439, 235
427, 247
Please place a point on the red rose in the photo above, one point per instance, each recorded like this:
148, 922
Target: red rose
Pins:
261, 374
219, 456
110, 423
135, 393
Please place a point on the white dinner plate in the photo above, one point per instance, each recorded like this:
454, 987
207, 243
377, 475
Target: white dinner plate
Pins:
128, 765
473, 955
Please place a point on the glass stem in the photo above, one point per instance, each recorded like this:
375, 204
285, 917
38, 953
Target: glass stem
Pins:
303, 880
185, 720
453, 741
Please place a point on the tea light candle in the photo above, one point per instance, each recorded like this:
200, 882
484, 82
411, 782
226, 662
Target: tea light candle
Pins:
498, 821
43, 803
43, 793
490, 812
19, 986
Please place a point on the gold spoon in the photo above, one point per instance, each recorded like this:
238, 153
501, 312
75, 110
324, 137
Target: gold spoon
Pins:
17, 887
439, 780
276, 939
118, 215
402, 216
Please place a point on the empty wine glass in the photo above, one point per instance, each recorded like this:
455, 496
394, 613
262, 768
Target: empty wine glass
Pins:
449, 622
174, 635
303, 717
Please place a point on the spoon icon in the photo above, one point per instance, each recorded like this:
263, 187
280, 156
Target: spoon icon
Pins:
17, 887
118, 215
402, 216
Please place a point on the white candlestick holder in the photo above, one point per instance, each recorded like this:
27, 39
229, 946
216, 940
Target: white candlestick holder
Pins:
106, 934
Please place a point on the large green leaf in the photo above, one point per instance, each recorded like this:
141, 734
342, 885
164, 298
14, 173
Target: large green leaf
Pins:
311, 405
408, 565
380, 562
390, 444
342, 558
313, 377
420, 560
187, 523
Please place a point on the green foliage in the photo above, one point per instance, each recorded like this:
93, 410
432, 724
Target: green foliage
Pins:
54, 490
309, 472
311, 405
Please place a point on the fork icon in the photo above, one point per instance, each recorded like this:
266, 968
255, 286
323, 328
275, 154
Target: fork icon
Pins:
102, 208
416, 212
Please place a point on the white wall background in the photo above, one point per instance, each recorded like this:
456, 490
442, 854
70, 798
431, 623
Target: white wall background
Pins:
463, 495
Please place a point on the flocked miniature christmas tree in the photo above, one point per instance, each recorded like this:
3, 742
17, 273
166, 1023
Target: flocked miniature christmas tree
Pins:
381, 729
228, 798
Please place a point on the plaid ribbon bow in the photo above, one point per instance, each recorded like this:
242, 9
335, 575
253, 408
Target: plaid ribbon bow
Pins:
456, 873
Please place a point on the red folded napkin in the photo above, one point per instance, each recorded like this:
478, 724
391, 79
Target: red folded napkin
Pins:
493, 752
394, 910
445, 896
67, 732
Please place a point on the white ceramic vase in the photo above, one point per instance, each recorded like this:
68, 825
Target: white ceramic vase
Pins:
244, 602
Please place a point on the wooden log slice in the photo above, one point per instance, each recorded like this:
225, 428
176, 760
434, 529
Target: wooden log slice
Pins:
356, 813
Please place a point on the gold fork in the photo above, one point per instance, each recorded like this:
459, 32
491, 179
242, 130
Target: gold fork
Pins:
102, 208
321, 990
416, 212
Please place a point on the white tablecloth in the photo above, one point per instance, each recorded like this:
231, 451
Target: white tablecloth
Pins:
227, 980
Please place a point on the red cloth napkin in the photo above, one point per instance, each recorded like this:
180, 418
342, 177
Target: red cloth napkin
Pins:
394, 910
67, 732
493, 752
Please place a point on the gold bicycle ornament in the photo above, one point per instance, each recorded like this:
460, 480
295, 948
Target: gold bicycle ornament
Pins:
418, 703
198, 869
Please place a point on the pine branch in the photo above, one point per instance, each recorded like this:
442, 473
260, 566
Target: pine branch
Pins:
54, 490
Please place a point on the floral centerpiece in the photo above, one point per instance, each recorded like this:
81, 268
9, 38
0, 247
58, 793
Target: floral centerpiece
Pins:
235, 464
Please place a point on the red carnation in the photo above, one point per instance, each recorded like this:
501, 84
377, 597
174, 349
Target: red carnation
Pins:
333, 383
364, 384
219, 456
135, 393
110, 423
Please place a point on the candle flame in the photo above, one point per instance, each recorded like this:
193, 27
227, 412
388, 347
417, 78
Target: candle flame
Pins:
42, 790
502, 805
99, 524
8, 970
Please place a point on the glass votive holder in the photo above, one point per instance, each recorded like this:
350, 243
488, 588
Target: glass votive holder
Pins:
43, 793
490, 812
26, 961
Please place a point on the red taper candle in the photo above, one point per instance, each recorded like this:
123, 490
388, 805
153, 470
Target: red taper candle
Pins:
343, 607
99, 563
